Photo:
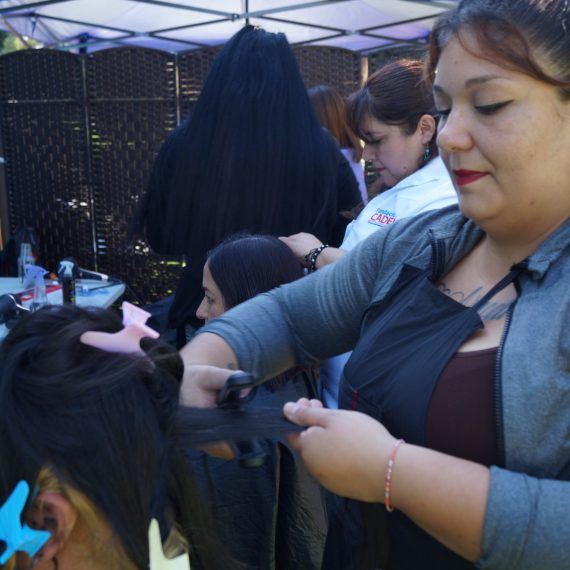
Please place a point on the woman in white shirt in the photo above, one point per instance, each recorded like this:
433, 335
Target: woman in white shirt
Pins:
394, 114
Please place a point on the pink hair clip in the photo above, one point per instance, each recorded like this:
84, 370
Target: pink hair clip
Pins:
126, 340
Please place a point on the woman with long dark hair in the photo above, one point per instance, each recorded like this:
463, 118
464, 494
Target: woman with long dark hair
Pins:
251, 157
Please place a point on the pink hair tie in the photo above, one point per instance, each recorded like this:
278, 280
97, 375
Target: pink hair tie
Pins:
126, 340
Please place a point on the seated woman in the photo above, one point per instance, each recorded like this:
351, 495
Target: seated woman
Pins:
272, 516
91, 426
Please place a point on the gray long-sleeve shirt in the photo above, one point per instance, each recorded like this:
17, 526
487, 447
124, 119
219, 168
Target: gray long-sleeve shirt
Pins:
527, 522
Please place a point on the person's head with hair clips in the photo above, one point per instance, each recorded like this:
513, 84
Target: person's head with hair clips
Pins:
89, 449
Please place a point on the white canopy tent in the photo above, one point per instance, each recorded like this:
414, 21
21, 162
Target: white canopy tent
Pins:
53, 102
180, 25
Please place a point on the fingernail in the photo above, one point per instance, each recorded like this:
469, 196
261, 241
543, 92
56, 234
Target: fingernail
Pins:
290, 408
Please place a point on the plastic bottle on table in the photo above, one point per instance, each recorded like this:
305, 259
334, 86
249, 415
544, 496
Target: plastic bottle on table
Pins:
26, 258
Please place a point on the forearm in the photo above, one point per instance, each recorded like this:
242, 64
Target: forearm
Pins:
444, 495
504, 519
299, 323
208, 362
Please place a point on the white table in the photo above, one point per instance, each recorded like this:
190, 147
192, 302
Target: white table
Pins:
88, 293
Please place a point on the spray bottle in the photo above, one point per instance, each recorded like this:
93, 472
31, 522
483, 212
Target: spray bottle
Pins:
66, 273
35, 274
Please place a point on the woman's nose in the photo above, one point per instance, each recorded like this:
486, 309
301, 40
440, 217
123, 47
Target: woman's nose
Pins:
367, 152
453, 133
201, 311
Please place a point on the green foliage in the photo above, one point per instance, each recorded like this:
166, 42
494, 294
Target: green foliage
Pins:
10, 42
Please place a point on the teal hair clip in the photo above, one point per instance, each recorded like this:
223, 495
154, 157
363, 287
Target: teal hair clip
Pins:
17, 537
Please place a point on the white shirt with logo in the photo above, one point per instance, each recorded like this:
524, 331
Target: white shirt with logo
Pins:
429, 188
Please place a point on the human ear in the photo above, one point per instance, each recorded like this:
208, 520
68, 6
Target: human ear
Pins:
426, 128
53, 512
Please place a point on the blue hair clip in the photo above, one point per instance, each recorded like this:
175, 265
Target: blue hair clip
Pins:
17, 537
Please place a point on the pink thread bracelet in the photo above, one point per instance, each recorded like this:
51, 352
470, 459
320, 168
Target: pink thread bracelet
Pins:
388, 480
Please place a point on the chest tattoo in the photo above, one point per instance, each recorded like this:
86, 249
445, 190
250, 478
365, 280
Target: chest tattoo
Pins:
491, 311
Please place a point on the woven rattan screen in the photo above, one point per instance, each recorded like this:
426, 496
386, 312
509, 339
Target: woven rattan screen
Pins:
45, 147
80, 134
379, 58
337, 67
131, 103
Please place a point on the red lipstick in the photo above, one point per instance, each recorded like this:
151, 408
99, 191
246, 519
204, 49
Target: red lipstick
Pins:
464, 177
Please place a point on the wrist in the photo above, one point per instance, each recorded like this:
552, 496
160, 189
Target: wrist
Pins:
324, 258
312, 257
389, 475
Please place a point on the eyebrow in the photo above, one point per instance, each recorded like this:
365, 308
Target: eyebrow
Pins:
473, 82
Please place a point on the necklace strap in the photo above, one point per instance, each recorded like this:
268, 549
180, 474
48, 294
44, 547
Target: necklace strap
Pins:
515, 271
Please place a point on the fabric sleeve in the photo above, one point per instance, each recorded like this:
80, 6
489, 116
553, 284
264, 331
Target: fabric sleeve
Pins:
305, 321
527, 523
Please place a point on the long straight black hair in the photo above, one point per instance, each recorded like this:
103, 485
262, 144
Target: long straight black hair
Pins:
251, 157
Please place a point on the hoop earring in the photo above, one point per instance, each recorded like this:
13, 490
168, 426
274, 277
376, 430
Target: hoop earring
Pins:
427, 154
